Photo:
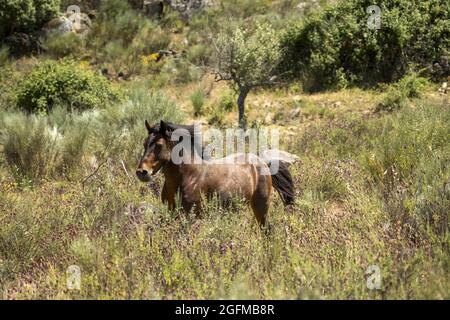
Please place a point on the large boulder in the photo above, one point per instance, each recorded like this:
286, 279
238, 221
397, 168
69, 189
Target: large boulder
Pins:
155, 8
59, 25
187, 7
77, 22
23, 44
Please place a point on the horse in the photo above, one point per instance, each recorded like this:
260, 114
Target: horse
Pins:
194, 181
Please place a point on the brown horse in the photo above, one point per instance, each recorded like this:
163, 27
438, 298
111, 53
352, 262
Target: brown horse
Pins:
193, 181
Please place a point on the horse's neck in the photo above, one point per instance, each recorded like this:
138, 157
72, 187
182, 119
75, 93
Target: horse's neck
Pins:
172, 174
175, 174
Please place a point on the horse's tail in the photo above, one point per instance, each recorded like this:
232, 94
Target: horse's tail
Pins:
283, 183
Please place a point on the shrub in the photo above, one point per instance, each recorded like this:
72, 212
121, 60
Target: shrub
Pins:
407, 162
227, 101
120, 36
412, 85
394, 99
67, 44
36, 148
54, 144
25, 15
198, 100
199, 54
181, 71
119, 129
398, 94
335, 46
4, 55
66, 82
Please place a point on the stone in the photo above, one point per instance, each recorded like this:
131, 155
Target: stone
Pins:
153, 8
60, 25
295, 113
269, 118
22, 44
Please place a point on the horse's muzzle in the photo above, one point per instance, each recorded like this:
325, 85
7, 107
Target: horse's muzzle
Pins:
143, 175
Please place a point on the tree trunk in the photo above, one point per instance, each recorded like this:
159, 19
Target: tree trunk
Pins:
243, 92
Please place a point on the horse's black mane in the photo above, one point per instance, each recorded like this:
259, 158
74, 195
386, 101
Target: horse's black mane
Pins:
199, 148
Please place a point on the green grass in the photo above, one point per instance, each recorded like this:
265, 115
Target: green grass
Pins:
372, 187
348, 216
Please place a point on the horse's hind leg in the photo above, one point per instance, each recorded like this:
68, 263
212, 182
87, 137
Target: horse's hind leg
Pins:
260, 200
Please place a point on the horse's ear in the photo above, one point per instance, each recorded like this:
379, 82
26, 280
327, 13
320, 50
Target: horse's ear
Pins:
162, 127
148, 126
165, 128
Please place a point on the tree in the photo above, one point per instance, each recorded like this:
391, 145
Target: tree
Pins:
25, 15
247, 59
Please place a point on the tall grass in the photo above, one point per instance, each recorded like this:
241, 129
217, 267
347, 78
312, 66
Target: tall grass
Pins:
364, 198
198, 101
57, 144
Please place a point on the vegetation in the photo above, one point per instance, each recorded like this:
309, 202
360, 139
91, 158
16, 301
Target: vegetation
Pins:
372, 180
68, 83
335, 47
248, 60
198, 100
25, 15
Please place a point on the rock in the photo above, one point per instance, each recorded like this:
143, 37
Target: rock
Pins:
22, 44
443, 89
60, 25
337, 104
120, 75
187, 7
85, 5
77, 22
81, 23
294, 113
153, 8
269, 118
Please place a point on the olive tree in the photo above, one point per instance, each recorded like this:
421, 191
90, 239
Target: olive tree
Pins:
247, 59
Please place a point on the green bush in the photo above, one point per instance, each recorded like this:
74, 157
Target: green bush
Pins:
181, 71
4, 55
398, 94
199, 54
25, 15
227, 101
35, 148
118, 130
59, 46
412, 85
198, 101
335, 47
54, 144
66, 82
121, 36
408, 163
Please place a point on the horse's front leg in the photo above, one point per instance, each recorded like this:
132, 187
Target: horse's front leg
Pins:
189, 202
168, 196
